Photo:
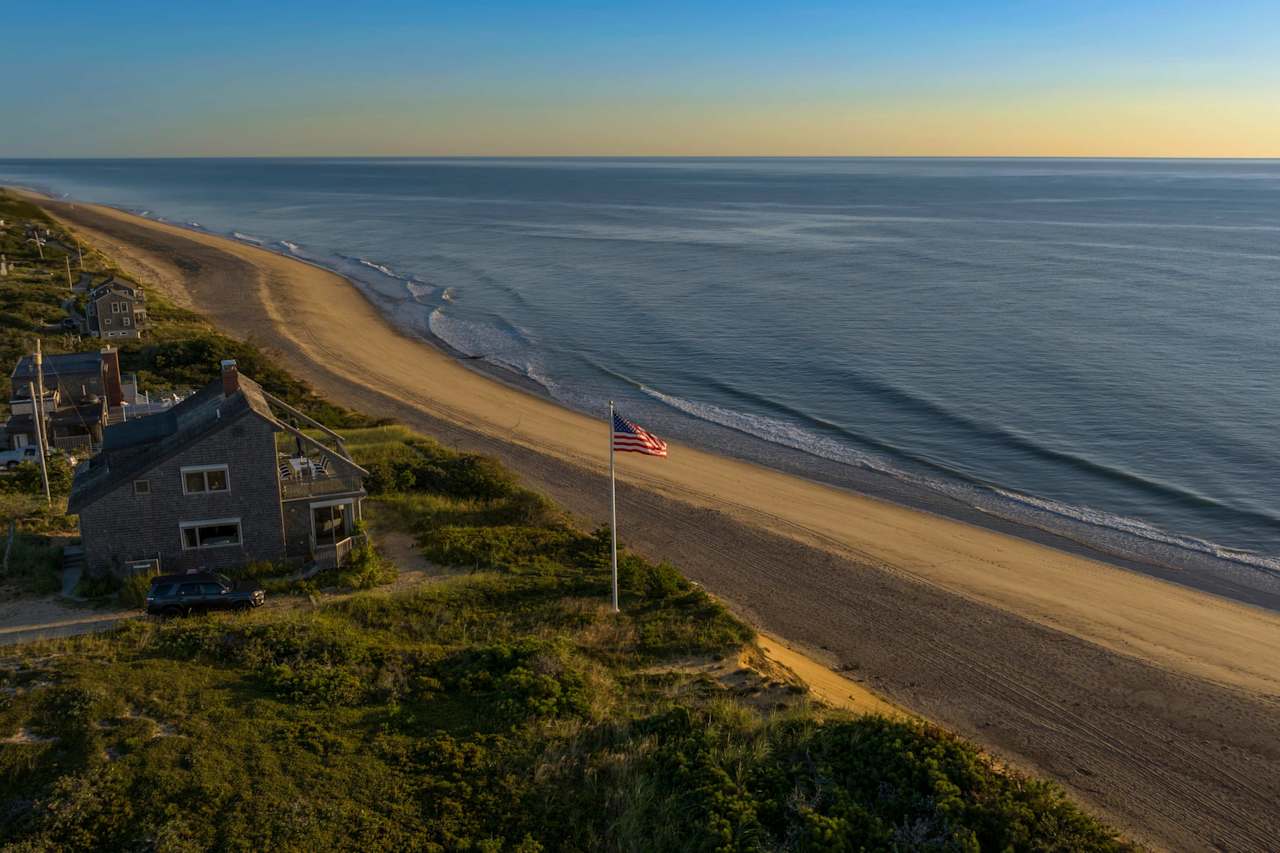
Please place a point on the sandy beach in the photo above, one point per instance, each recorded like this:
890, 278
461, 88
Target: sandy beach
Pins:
1155, 703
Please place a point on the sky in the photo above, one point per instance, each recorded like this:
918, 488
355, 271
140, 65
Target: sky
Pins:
977, 78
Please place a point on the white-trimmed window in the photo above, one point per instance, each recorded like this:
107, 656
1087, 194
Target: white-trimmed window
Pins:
124, 321
214, 533
198, 479
332, 520
115, 307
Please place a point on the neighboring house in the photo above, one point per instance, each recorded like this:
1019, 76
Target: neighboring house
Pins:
84, 392
204, 487
81, 389
116, 309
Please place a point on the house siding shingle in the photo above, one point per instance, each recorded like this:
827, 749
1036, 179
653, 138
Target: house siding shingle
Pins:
120, 526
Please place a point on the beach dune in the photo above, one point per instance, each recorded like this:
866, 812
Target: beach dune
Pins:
1156, 703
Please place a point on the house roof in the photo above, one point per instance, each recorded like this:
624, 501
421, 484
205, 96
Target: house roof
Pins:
114, 285
135, 446
66, 364
132, 447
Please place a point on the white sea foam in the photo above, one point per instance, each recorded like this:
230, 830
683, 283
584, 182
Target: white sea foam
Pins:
485, 341
293, 248
382, 268
194, 224
1141, 529
775, 431
246, 238
418, 291
1003, 503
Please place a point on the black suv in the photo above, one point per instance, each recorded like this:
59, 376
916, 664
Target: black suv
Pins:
173, 595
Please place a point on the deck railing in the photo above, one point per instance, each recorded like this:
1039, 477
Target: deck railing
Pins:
72, 442
331, 555
293, 488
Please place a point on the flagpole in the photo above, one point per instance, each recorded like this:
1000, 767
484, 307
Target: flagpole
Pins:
613, 514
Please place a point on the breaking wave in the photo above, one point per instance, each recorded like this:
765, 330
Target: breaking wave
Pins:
1000, 502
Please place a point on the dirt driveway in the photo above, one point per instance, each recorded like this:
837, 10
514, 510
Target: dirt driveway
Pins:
25, 619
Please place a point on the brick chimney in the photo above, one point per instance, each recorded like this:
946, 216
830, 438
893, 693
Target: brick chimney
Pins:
113, 388
230, 377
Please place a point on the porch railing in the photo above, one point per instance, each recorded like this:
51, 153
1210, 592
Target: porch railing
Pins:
72, 442
331, 555
292, 488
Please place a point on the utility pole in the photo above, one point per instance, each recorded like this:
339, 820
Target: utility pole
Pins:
79, 254
44, 469
68, 260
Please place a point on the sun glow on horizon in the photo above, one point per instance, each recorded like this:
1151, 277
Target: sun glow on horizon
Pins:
388, 79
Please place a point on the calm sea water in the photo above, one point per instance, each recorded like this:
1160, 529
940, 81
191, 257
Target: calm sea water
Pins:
1085, 346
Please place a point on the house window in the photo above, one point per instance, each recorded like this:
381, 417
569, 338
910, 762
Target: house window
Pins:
142, 487
219, 533
124, 321
205, 478
115, 307
332, 521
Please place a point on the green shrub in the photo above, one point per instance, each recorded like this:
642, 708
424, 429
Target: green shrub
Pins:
98, 586
366, 569
517, 681
503, 547
255, 570
35, 562
27, 477
134, 589
418, 464
319, 685
193, 359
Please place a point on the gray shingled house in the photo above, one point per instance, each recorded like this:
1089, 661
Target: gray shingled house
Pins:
81, 389
206, 485
116, 309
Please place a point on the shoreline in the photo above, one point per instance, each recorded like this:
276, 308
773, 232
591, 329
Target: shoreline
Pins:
628, 470
994, 636
1180, 558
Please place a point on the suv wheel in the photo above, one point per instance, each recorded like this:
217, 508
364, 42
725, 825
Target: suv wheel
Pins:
171, 611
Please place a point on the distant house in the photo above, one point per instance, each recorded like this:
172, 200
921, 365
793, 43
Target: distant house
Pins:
80, 391
206, 486
116, 309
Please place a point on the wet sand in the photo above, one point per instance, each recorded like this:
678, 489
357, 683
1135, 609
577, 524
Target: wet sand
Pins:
1155, 703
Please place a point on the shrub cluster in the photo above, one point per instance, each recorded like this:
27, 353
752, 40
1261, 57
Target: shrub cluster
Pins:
27, 480
418, 464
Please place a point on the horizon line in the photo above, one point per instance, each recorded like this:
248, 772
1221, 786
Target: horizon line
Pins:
1110, 157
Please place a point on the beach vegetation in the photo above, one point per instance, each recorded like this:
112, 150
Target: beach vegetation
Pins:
505, 708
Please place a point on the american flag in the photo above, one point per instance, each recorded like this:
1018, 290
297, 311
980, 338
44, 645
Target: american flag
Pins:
627, 437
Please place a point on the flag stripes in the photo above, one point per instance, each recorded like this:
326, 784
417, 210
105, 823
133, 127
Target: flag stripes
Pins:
630, 438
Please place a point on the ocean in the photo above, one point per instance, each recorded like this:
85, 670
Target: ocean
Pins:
1086, 347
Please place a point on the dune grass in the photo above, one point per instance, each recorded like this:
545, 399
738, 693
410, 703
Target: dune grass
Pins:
502, 709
